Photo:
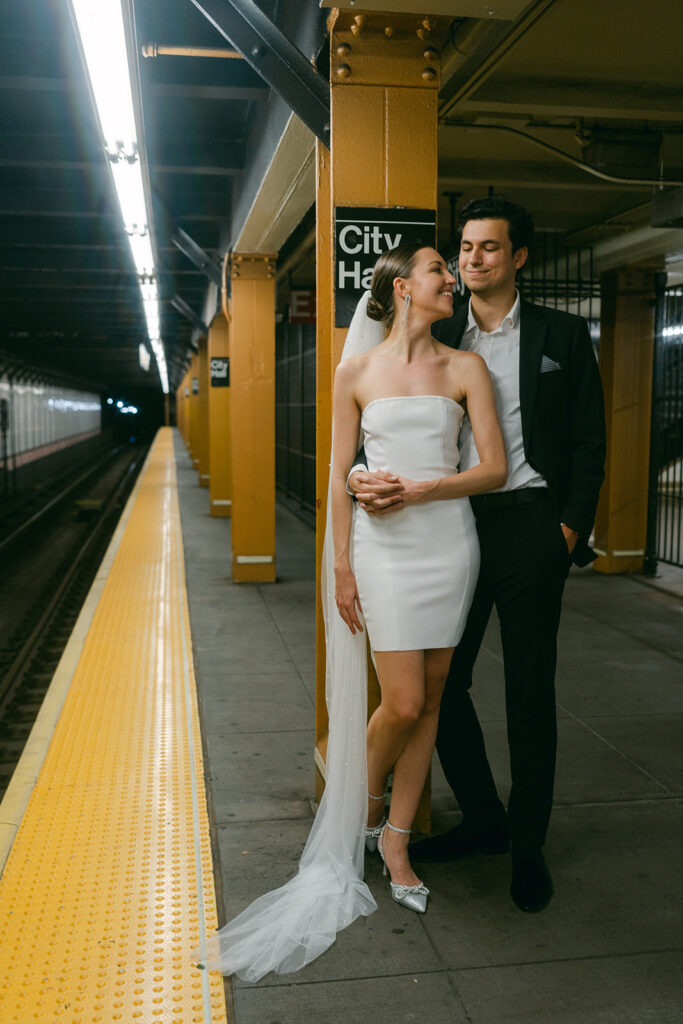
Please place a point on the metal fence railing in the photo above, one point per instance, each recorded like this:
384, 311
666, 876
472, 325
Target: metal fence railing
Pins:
664, 542
295, 415
563, 277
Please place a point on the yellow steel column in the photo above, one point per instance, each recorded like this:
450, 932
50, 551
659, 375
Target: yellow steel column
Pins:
203, 467
323, 427
252, 417
183, 398
193, 411
219, 417
384, 92
178, 406
626, 352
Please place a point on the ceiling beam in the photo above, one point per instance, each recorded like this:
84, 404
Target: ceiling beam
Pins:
518, 173
622, 100
189, 314
33, 83
274, 58
238, 93
196, 255
91, 165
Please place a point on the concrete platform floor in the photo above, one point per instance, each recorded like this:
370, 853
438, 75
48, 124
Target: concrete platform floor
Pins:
608, 948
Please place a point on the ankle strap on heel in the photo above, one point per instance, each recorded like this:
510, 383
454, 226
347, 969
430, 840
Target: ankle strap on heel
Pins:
403, 831
382, 797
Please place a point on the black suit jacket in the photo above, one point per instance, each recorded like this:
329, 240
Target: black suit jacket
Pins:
563, 423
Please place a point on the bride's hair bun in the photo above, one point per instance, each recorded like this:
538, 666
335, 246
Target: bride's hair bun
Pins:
377, 311
394, 263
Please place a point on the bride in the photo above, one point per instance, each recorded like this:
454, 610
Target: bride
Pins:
410, 576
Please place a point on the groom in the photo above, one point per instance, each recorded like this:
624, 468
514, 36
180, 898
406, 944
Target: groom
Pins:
550, 406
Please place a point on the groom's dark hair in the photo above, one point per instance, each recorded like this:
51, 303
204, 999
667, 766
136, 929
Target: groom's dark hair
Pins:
520, 222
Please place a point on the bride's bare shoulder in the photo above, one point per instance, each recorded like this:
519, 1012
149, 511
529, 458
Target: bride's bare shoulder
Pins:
353, 365
454, 356
349, 373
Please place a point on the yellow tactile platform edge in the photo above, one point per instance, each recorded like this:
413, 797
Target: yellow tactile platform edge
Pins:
109, 883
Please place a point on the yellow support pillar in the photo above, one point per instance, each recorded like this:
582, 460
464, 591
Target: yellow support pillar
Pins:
626, 352
252, 417
203, 465
193, 411
219, 418
179, 407
383, 153
182, 400
186, 410
323, 436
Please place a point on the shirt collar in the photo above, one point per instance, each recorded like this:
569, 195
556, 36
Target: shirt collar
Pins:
510, 320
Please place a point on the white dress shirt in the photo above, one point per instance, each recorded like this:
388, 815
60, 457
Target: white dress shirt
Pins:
500, 351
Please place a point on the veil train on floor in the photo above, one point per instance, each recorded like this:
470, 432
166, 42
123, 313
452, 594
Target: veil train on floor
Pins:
289, 927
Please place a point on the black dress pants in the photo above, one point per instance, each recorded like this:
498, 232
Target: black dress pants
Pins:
524, 565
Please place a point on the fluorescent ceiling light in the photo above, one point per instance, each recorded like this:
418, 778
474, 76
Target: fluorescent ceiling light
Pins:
103, 38
131, 195
158, 349
149, 291
100, 24
141, 248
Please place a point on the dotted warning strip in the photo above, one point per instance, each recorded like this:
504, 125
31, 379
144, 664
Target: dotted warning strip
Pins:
109, 884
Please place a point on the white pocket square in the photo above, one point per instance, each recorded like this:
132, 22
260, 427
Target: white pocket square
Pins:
548, 364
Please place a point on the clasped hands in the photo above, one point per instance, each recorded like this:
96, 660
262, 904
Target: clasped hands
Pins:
380, 493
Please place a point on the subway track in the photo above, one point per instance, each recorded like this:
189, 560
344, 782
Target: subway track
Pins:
49, 560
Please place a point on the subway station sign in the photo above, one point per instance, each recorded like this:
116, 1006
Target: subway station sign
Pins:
220, 372
362, 234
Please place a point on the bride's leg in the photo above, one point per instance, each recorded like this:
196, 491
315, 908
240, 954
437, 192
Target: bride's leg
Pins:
401, 680
412, 766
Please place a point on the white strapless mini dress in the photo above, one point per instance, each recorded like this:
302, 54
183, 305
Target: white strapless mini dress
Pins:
416, 569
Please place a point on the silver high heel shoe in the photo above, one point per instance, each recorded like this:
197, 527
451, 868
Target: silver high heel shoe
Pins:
373, 832
414, 897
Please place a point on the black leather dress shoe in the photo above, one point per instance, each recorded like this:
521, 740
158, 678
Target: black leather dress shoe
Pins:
531, 887
459, 842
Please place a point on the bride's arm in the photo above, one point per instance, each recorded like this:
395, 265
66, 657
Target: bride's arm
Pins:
345, 445
492, 469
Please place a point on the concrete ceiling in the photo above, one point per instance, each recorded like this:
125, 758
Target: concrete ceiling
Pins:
567, 69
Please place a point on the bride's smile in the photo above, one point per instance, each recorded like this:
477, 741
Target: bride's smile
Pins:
430, 286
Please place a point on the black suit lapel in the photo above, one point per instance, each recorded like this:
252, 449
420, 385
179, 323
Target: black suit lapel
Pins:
533, 328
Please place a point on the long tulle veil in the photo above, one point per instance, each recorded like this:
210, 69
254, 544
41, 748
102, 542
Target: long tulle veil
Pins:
290, 926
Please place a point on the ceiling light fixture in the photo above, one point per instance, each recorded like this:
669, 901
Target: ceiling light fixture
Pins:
103, 40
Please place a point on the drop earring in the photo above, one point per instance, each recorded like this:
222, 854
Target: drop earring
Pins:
406, 305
